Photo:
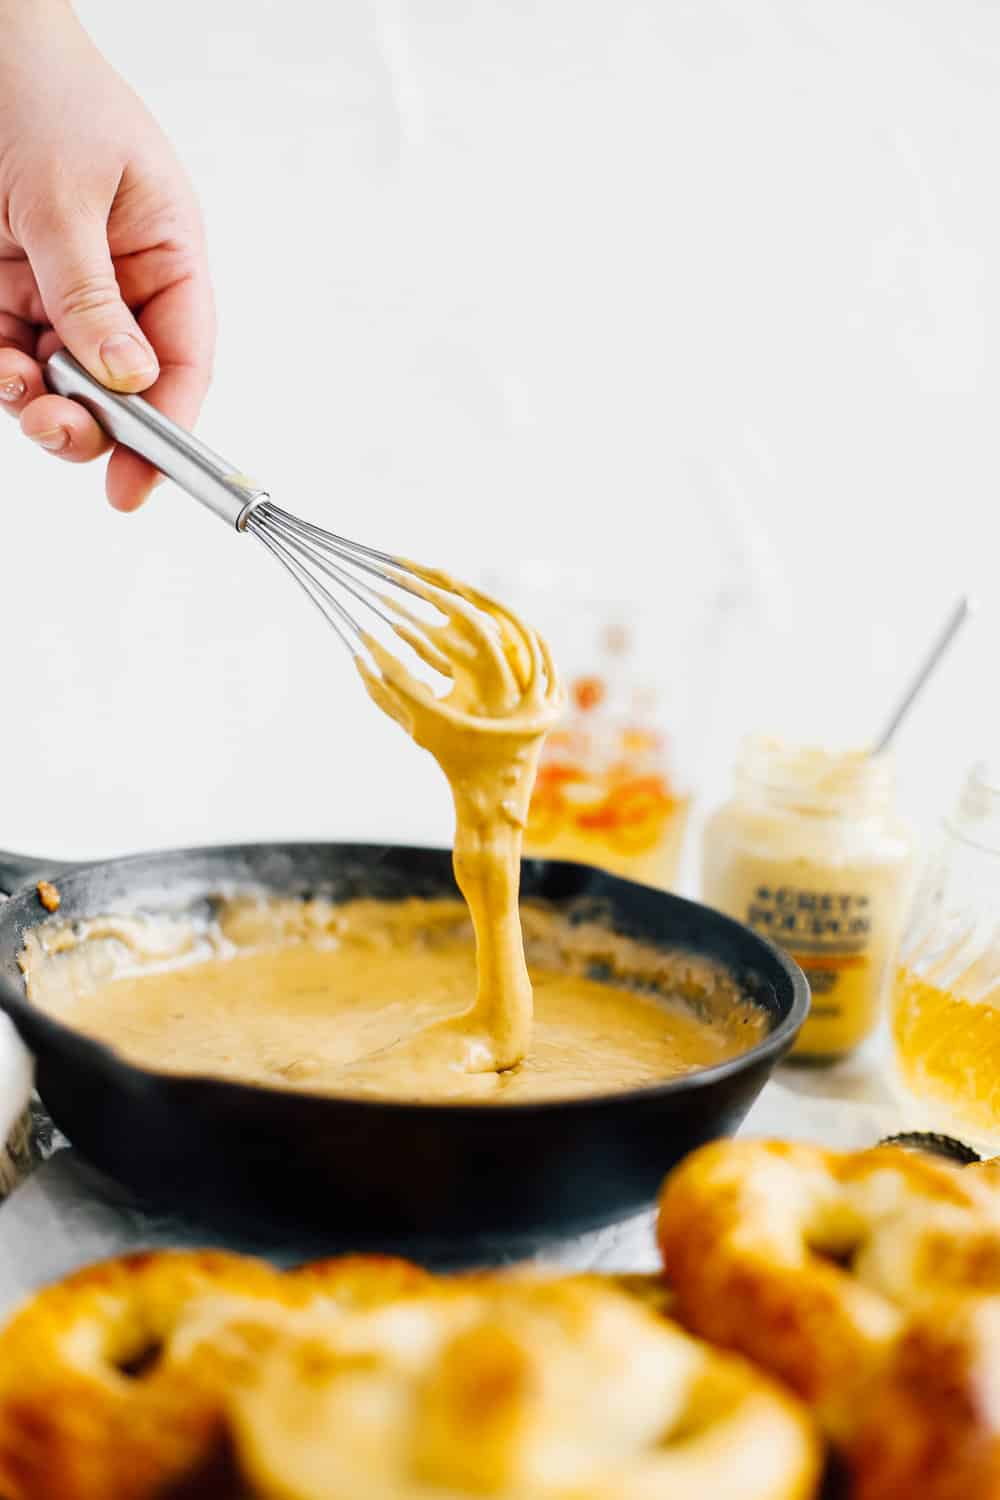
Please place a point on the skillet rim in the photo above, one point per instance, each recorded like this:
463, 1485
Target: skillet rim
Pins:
768, 1051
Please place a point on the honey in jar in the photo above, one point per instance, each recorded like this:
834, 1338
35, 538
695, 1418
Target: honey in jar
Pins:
945, 1012
810, 851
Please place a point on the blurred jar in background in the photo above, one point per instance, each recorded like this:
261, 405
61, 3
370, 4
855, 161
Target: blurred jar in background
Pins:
945, 1010
810, 851
614, 786
608, 792
657, 634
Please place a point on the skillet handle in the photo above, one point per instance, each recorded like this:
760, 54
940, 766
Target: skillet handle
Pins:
17, 870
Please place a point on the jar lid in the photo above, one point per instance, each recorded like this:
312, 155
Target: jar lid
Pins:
814, 779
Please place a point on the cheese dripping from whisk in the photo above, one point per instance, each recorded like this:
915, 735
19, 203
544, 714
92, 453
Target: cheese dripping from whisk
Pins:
486, 735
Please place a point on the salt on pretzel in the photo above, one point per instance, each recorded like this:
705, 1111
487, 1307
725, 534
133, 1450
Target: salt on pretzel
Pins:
811, 1262
515, 1386
112, 1382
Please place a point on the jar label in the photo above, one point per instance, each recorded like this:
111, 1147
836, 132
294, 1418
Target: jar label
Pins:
827, 922
829, 934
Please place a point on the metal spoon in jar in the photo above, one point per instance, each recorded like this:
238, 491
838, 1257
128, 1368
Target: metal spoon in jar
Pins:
963, 609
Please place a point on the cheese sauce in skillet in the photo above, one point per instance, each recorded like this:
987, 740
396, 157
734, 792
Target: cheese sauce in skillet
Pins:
410, 1000
334, 999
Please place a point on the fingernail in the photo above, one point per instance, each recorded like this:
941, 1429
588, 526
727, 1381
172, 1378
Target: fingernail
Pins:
125, 358
53, 441
12, 389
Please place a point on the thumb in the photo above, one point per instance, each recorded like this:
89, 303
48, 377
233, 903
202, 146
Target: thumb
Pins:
69, 255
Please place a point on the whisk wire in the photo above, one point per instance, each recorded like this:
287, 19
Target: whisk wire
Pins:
309, 555
369, 559
358, 587
329, 607
329, 568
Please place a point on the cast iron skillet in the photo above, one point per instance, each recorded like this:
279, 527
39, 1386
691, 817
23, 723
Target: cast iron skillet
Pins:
232, 1152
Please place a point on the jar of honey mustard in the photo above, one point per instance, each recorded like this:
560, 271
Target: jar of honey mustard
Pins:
810, 851
945, 1008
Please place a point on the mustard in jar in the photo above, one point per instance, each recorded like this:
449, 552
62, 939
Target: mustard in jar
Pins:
810, 851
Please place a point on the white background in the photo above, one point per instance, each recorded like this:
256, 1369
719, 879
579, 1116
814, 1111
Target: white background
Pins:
642, 283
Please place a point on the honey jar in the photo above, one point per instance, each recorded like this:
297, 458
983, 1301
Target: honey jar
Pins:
810, 851
945, 1010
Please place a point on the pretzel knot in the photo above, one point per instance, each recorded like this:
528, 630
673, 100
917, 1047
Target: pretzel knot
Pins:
813, 1263
113, 1382
520, 1387
367, 1375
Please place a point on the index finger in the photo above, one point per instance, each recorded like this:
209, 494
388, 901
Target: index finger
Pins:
179, 322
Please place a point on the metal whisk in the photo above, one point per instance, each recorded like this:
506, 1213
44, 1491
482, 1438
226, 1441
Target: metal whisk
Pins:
318, 560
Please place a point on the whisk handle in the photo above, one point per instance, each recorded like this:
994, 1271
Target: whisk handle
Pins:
134, 423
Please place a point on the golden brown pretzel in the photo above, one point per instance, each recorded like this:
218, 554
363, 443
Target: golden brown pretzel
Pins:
516, 1386
812, 1261
89, 1404
931, 1430
112, 1382
125, 1381
116, 1383
363, 1281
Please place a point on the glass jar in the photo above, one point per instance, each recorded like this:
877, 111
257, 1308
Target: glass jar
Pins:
811, 852
607, 793
611, 788
945, 1012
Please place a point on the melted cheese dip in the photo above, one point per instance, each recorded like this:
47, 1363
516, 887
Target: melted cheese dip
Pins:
319, 998
486, 734
416, 1000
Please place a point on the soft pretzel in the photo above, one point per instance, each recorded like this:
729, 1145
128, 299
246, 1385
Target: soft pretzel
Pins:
133, 1376
112, 1382
560, 1389
932, 1427
812, 1262
89, 1405
362, 1282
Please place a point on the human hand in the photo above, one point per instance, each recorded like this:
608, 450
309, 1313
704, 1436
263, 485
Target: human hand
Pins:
101, 244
